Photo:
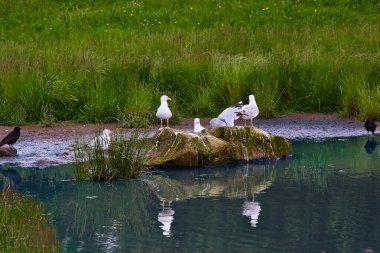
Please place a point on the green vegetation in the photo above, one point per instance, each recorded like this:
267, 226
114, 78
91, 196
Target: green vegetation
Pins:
101, 61
125, 157
23, 226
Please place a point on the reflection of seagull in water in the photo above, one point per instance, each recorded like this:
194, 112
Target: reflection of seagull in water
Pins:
251, 209
228, 116
103, 140
165, 216
12, 175
370, 145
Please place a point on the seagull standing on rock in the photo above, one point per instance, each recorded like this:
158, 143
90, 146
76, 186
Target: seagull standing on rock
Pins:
163, 112
249, 111
228, 116
197, 126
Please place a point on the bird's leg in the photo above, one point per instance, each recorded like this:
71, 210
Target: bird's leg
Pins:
245, 122
161, 123
167, 122
251, 122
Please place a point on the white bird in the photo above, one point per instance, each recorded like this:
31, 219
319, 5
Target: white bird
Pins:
103, 140
216, 122
249, 111
197, 126
229, 115
163, 112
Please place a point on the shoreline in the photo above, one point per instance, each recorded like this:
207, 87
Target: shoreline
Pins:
42, 146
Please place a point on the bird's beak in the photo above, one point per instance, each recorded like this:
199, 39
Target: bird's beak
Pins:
169, 98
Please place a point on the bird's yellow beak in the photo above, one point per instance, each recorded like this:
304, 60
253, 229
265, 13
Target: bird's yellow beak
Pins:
169, 98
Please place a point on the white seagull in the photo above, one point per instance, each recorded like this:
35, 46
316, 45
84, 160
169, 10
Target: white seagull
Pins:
249, 111
103, 140
228, 116
163, 112
197, 126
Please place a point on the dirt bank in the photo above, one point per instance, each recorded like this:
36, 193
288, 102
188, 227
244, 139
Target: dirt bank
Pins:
46, 146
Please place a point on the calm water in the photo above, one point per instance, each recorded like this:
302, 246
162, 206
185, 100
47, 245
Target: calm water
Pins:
325, 199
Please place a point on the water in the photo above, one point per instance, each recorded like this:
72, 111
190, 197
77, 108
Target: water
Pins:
325, 199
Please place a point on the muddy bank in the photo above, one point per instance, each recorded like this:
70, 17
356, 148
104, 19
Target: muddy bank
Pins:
41, 146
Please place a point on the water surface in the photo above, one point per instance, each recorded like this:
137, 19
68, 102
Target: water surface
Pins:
325, 199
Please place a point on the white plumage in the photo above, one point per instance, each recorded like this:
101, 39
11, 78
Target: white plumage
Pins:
215, 122
249, 111
197, 126
103, 140
163, 112
251, 209
228, 116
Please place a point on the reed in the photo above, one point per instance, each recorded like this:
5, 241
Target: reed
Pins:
125, 157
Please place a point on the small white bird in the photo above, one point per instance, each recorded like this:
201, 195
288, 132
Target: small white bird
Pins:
249, 111
229, 115
163, 112
102, 140
197, 126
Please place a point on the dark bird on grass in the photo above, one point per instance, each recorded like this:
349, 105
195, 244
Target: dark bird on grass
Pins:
370, 126
11, 138
370, 145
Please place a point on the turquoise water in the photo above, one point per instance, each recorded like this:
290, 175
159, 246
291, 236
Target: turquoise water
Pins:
325, 199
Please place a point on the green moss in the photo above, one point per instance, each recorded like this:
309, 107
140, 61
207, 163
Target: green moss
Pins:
215, 146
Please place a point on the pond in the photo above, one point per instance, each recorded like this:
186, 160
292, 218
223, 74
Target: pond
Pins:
326, 198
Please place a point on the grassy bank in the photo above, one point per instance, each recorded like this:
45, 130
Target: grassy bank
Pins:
96, 61
23, 226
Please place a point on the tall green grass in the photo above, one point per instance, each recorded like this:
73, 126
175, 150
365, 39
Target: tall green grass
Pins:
24, 228
92, 61
125, 157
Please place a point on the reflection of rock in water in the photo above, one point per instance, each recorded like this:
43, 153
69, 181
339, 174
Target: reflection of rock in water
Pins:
251, 209
12, 175
165, 216
370, 145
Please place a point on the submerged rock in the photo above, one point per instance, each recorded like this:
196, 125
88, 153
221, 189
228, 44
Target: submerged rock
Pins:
8, 151
218, 145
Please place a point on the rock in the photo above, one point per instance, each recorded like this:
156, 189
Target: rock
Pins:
218, 145
8, 151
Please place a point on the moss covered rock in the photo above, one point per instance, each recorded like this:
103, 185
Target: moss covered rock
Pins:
219, 145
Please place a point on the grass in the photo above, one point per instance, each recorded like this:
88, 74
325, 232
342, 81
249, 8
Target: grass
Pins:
24, 228
95, 62
124, 158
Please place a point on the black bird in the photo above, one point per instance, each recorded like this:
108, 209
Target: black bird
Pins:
11, 138
370, 126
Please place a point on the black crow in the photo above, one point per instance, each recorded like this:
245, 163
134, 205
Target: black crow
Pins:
370, 126
11, 138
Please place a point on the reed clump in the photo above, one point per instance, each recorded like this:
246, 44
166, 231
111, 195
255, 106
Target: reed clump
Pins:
122, 156
23, 226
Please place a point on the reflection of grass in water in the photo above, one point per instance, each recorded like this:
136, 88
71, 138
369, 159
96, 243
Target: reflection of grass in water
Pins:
121, 209
124, 158
309, 171
23, 227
